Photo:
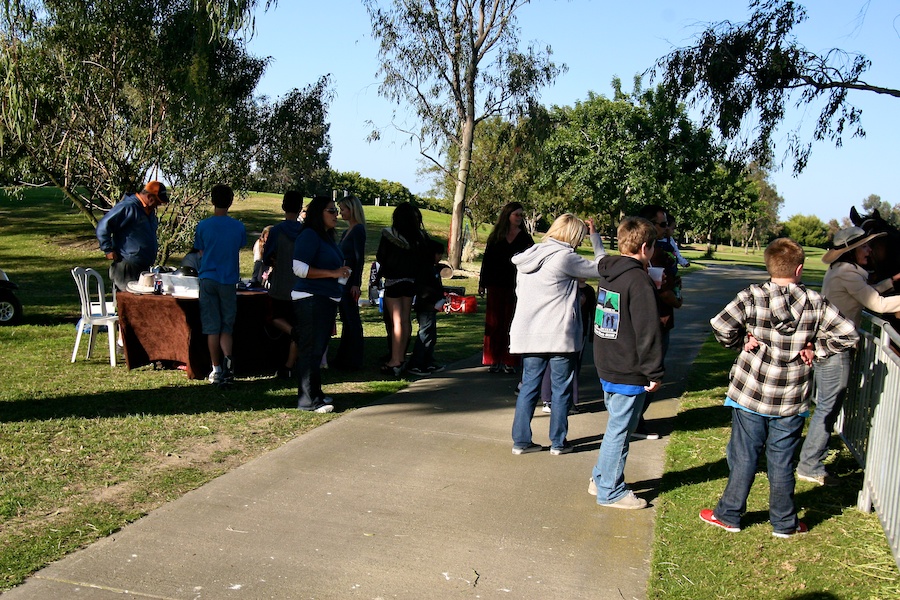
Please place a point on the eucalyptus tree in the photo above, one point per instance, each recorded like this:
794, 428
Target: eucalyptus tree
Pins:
745, 75
456, 63
504, 163
97, 96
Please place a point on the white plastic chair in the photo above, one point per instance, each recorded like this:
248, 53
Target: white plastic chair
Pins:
96, 311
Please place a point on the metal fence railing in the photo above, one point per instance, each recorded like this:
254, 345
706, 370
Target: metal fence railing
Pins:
870, 424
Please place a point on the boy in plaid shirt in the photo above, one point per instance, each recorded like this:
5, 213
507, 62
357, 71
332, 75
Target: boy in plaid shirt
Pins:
778, 326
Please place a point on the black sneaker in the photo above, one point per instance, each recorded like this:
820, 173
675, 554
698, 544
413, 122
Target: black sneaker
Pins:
283, 373
435, 368
417, 370
227, 371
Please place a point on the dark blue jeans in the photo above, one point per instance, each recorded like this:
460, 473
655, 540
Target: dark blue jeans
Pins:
423, 350
315, 320
750, 434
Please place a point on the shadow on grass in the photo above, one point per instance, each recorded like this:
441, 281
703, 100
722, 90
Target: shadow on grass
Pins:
243, 396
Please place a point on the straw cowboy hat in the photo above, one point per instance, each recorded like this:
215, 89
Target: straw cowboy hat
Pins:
847, 239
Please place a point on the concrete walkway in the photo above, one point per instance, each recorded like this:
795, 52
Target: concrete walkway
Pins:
416, 497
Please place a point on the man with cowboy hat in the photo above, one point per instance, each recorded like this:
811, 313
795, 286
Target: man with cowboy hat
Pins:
127, 234
846, 286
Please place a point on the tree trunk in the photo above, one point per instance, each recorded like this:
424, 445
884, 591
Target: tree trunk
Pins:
459, 197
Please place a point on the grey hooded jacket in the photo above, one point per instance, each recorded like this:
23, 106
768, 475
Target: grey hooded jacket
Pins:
548, 317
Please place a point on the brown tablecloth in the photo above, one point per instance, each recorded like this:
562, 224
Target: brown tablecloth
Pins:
167, 329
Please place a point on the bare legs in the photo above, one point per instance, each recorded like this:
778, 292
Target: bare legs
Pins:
399, 327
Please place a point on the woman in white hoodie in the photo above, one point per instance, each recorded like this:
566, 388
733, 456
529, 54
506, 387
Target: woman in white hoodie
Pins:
846, 286
546, 328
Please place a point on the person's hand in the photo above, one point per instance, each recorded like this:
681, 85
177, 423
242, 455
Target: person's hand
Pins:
112, 256
808, 354
355, 292
590, 223
481, 291
342, 272
751, 344
654, 385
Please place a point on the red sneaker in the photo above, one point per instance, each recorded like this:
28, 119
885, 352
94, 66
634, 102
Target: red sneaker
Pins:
707, 516
801, 528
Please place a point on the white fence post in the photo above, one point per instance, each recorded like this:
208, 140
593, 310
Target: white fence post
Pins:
869, 424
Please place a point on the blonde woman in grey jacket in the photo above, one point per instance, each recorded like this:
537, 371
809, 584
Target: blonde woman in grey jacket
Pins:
546, 328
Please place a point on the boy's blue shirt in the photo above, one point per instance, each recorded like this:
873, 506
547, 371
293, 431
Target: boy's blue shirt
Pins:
220, 238
732, 404
622, 388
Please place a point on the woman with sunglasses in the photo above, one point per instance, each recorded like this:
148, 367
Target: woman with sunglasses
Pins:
318, 264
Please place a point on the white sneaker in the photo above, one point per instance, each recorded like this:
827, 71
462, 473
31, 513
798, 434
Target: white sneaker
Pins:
628, 502
546, 408
592, 487
216, 377
325, 408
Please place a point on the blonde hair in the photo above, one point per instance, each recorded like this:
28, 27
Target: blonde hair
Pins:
633, 232
783, 256
569, 229
355, 207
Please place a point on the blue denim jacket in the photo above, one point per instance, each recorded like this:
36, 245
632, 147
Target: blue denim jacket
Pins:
129, 231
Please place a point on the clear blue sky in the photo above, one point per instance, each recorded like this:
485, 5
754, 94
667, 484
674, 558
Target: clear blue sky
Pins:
596, 40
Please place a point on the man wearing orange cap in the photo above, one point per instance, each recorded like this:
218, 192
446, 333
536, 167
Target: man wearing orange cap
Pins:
127, 234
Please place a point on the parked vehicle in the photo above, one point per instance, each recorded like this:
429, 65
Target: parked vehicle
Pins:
10, 307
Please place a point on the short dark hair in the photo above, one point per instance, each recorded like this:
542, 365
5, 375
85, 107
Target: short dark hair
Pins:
314, 218
651, 212
222, 195
292, 202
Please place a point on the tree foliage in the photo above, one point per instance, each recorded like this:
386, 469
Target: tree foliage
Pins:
747, 74
294, 147
889, 213
806, 230
99, 96
389, 193
611, 156
456, 63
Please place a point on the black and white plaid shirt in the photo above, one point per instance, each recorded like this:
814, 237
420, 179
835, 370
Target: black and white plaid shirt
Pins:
772, 379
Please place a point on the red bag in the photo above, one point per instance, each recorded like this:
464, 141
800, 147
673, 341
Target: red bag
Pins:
460, 304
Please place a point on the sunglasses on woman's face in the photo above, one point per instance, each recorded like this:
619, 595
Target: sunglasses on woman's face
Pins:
332, 210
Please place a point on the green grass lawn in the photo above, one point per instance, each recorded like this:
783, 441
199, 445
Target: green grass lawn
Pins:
86, 449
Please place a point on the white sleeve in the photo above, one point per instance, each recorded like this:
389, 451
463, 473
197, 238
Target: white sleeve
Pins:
301, 269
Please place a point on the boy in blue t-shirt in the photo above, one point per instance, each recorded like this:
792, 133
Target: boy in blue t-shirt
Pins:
219, 239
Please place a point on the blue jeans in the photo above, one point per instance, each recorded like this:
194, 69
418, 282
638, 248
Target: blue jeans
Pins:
832, 375
315, 320
750, 433
562, 374
609, 472
423, 350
